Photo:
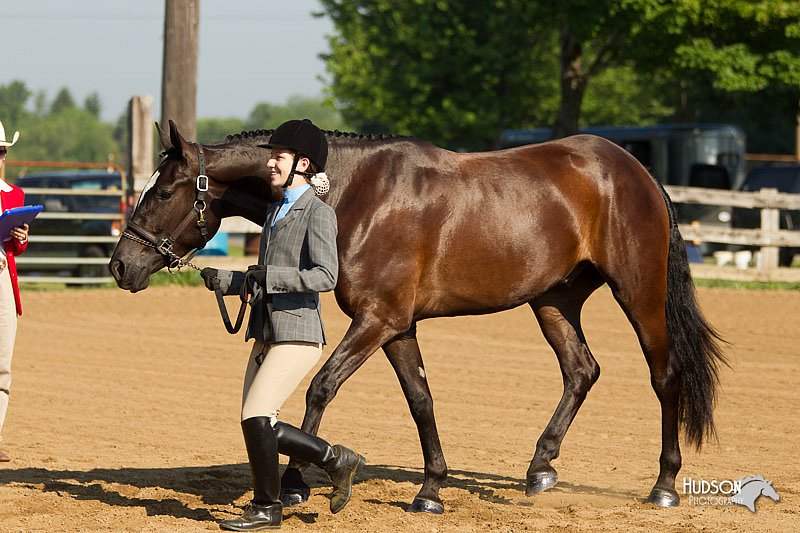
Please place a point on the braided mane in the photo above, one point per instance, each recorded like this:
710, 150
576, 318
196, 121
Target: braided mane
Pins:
261, 135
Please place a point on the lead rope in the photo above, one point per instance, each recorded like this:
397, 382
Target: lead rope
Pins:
244, 292
244, 296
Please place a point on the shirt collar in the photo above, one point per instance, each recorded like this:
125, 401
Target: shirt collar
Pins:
5, 187
290, 196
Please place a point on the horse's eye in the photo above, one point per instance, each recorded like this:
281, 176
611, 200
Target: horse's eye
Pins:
165, 194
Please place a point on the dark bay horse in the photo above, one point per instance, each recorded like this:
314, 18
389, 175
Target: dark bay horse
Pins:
425, 232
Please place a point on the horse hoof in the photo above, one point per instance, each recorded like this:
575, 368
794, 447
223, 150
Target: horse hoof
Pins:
424, 505
292, 497
540, 482
663, 498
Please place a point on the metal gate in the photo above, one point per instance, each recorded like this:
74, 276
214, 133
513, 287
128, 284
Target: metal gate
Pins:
84, 268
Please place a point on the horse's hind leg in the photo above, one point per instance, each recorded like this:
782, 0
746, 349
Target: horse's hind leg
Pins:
404, 355
367, 332
558, 312
644, 306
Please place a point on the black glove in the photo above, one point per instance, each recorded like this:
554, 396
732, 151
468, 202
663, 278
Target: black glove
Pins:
257, 274
210, 278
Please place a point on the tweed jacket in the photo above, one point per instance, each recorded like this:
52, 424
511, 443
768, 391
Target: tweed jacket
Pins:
300, 255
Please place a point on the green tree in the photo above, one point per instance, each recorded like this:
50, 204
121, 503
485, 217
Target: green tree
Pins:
619, 96
451, 72
13, 98
211, 130
59, 131
456, 73
270, 116
713, 46
62, 101
40, 103
93, 105
739, 45
71, 135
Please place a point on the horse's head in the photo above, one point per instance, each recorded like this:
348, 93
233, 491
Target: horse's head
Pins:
769, 491
179, 209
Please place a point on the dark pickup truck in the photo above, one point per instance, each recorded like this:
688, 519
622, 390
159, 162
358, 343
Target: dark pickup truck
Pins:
69, 226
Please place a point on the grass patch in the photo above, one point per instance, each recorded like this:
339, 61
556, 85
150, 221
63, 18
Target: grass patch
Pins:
748, 285
184, 278
41, 287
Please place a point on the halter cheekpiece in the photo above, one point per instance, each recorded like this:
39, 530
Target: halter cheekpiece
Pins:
164, 246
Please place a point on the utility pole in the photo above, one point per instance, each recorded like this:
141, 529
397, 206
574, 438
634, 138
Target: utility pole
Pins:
179, 68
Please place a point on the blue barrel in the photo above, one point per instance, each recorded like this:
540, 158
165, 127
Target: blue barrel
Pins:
216, 246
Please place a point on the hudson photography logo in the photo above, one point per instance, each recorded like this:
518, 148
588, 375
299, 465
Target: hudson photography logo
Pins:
744, 491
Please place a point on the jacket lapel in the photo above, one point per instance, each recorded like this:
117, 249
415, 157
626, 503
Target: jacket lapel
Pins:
265, 232
296, 209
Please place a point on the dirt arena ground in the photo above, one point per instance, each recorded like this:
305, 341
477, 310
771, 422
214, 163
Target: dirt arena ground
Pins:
124, 418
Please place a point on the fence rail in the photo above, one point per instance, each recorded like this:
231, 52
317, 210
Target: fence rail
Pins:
769, 237
54, 261
765, 198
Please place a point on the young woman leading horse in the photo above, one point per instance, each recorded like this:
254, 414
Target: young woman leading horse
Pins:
425, 232
296, 261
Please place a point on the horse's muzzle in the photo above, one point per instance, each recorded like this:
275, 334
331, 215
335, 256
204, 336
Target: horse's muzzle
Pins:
127, 278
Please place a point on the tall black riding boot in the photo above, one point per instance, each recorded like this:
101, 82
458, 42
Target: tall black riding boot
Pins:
341, 464
264, 512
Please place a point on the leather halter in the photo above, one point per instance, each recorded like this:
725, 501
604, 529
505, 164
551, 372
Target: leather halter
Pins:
163, 246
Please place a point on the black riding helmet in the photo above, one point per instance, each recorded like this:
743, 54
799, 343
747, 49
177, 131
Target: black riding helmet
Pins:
304, 138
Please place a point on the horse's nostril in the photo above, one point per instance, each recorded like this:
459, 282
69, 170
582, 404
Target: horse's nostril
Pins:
117, 269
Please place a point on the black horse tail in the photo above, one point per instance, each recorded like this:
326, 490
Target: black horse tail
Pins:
693, 340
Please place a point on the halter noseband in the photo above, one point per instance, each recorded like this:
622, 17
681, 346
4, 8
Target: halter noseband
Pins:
140, 235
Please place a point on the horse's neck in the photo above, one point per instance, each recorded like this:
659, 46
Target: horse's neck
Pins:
349, 167
248, 193
352, 166
247, 197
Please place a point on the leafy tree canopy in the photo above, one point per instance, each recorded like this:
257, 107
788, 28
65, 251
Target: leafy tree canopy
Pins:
269, 116
12, 101
321, 112
62, 101
456, 73
93, 105
447, 71
55, 131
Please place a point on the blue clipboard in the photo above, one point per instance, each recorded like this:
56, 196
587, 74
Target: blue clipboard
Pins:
17, 216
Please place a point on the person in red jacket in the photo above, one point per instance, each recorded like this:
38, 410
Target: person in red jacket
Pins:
10, 306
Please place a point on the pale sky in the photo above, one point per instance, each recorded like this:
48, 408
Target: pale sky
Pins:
251, 51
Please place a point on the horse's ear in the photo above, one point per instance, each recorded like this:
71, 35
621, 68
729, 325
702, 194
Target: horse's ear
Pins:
163, 136
179, 144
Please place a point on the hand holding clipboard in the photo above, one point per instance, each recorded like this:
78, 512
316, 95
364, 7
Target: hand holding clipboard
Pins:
16, 217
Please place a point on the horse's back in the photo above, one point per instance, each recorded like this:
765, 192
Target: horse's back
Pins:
484, 231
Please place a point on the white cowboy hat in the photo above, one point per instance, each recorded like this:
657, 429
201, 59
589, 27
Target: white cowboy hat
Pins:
3, 141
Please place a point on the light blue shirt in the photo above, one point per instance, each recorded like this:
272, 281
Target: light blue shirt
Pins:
290, 196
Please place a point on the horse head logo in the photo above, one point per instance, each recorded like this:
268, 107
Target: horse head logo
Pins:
752, 487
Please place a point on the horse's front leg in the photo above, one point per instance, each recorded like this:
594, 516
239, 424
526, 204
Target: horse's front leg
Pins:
558, 312
404, 355
365, 335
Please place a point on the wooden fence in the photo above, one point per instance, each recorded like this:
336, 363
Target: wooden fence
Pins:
86, 268
769, 237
